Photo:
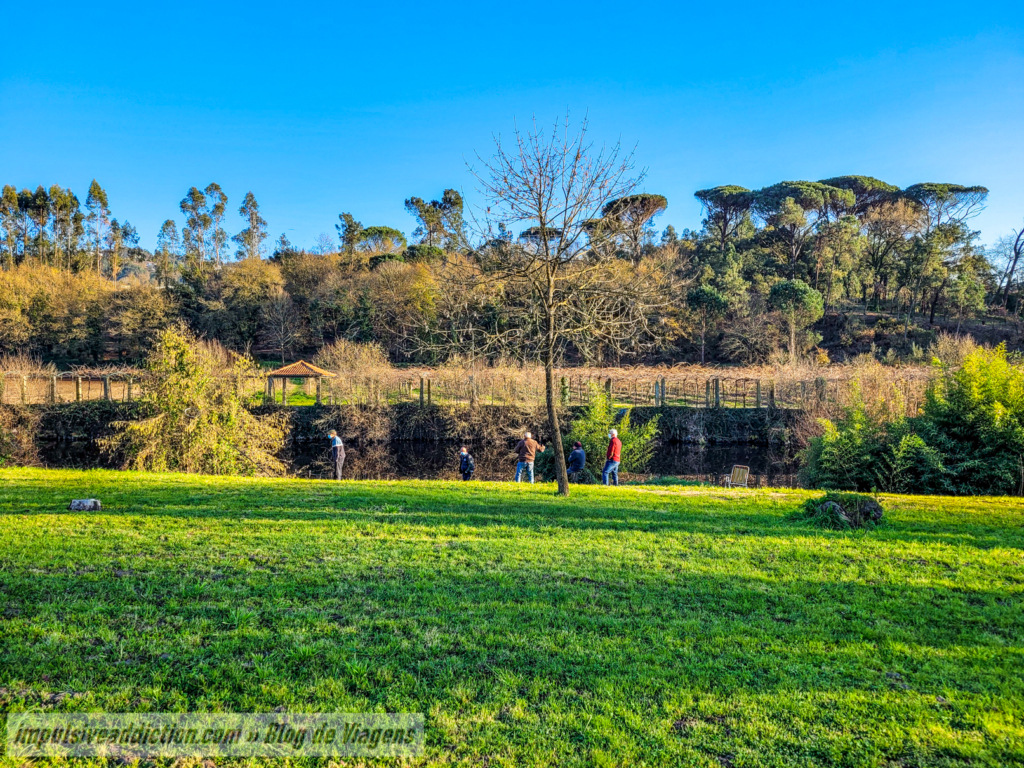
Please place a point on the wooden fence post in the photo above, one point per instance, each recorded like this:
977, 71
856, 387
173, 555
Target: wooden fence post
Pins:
130, 382
319, 395
429, 400
771, 393
422, 391
106, 388
718, 393
284, 391
664, 385
707, 393
758, 394
78, 389
53, 389
24, 390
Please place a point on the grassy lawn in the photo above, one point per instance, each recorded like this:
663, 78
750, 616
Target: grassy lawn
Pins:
631, 626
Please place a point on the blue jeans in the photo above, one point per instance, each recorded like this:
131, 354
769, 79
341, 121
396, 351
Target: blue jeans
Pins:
610, 472
520, 466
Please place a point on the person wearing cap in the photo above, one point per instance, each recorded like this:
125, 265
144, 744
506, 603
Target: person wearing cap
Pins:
577, 461
527, 452
612, 459
337, 453
466, 464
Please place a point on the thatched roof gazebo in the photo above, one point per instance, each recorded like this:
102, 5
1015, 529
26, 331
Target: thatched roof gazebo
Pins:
299, 370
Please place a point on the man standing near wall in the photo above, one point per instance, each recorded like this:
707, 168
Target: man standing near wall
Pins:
527, 450
337, 454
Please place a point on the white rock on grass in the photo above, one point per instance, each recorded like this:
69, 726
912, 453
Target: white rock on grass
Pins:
85, 505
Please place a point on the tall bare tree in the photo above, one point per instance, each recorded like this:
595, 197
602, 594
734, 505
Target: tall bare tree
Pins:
556, 183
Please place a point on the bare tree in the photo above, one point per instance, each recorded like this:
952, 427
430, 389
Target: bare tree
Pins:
281, 326
561, 286
323, 245
1014, 248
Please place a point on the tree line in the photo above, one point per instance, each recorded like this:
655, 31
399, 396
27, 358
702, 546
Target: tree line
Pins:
753, 280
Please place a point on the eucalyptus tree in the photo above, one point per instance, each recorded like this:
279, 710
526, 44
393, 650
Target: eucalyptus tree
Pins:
726, 208
168, 252
197, 234
218, 209
67, 225
250, 240
97, 222
9, 223
39, 213
120, 238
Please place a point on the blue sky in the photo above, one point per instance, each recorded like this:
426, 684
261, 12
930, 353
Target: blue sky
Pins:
324, 108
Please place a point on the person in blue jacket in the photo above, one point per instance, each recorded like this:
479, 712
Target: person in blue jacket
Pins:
466, 464
577, 460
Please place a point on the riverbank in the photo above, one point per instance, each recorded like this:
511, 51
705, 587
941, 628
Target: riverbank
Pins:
619, 626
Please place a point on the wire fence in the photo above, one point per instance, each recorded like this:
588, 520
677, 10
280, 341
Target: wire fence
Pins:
450, 387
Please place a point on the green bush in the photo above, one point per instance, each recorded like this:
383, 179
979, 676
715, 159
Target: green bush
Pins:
591, 429
974, 417
969, 438
199, 421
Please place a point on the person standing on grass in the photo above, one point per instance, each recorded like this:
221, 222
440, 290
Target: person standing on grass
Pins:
337, 454
466, 464
577, 461
527, 450
612, 459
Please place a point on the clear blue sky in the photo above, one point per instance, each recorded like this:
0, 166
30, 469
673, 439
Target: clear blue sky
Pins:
323, 108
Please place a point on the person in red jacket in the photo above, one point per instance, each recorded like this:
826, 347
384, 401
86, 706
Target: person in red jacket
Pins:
612, 459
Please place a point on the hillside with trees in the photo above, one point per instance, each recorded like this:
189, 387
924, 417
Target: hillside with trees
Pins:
845, 266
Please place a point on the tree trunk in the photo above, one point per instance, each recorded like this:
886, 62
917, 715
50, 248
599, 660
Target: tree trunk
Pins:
549, 385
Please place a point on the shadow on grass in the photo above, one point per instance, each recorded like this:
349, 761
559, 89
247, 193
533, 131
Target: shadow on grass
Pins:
721, 633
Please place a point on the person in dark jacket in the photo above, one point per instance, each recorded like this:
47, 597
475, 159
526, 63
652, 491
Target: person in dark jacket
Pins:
577, 461
337, 454
466, 464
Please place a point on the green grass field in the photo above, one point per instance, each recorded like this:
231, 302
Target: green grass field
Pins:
631, 626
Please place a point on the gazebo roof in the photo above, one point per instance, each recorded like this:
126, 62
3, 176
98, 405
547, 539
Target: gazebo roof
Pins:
301, 369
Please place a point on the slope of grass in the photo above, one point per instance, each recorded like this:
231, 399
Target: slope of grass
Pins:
672, 626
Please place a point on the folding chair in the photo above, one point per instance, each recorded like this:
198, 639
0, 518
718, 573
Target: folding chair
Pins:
738, 478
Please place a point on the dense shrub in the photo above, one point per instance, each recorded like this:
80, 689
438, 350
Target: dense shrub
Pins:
968, 439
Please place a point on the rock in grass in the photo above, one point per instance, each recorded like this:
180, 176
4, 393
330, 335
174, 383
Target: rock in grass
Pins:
842, 511
85, 505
